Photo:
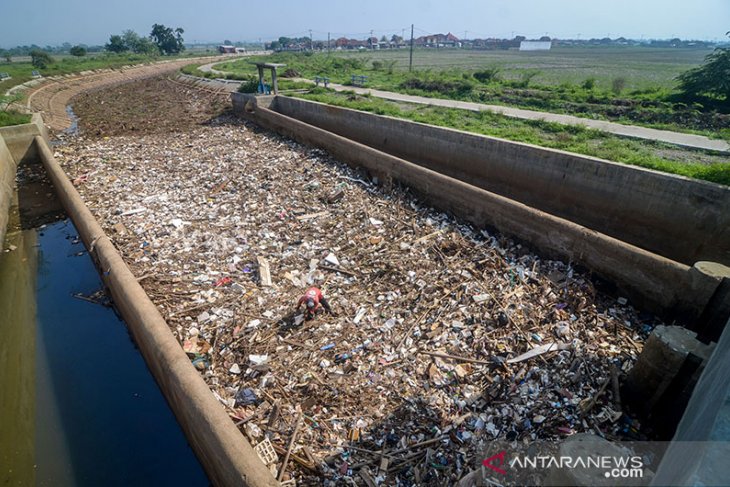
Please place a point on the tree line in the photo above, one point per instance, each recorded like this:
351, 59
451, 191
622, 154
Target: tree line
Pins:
161, 41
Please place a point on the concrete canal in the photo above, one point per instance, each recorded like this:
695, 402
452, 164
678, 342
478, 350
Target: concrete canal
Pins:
78, 405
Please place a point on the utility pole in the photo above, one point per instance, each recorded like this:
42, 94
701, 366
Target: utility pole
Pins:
372, 46
328, 42
410, 62
311, 41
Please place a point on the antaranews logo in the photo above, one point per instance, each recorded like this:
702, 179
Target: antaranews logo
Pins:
495, 462
610, 467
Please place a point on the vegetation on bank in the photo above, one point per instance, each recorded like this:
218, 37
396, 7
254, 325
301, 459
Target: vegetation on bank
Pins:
21, 72
652, 155
618, 91
13, 118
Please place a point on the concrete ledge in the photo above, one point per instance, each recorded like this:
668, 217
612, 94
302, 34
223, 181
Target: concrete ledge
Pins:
8, 168
19, 140
653, 282
680, 218
228, 459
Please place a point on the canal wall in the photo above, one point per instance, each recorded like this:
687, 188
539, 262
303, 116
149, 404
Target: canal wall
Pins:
7, 182
682, 219
16, 146
225, 454
697, 293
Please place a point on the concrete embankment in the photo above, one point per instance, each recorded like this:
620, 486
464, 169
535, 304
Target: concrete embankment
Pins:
682, 219
657, 283
16, 146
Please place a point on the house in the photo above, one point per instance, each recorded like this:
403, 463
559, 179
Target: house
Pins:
438, 40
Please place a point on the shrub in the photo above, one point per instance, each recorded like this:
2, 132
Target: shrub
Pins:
249, 86
40, 59
526, 78
78, 51
618, 85
377, 65
487, 75
712, 78
458, 87
589, 84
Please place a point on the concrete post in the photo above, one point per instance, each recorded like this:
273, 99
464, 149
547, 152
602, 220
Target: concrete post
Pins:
274, 82
261, 75
712, 321
664, 355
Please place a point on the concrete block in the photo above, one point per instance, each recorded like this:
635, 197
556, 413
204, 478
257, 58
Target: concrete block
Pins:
715, 315
664, 355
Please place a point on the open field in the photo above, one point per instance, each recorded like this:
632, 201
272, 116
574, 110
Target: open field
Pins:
629, 85
663, 157
642, 67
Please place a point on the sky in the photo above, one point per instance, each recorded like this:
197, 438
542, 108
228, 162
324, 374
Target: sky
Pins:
91, 22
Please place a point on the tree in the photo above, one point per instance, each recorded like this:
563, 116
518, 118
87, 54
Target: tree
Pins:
6, 54
227, 43
712, 78
116, 44
40, 59
145, 46
168, 41
130, 39
78, 51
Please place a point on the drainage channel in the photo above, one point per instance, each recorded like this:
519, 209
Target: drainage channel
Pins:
78, 405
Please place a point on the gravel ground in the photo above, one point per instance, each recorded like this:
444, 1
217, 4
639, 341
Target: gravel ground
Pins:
193, 211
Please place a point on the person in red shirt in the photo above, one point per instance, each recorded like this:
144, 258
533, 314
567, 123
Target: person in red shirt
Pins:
314, 301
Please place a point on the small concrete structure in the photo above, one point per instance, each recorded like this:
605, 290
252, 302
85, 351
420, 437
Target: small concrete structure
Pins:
274, 80
662, 360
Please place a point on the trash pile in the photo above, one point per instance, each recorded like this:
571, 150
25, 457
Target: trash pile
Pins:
442, 336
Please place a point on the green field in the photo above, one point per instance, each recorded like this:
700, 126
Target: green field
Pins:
624, 84
652, 155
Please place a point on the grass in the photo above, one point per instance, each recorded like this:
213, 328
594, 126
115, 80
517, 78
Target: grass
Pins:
651, 155
556, 81
13, 118
21, 71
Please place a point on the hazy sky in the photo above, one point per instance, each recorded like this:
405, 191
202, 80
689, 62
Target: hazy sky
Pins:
91, 21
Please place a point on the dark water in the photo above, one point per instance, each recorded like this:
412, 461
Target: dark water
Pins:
100, 419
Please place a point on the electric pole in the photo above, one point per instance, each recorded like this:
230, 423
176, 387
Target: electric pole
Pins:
410, 62
372, 45
311, 41
328, 42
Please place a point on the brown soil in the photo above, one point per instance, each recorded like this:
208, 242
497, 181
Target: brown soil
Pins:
151, 106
